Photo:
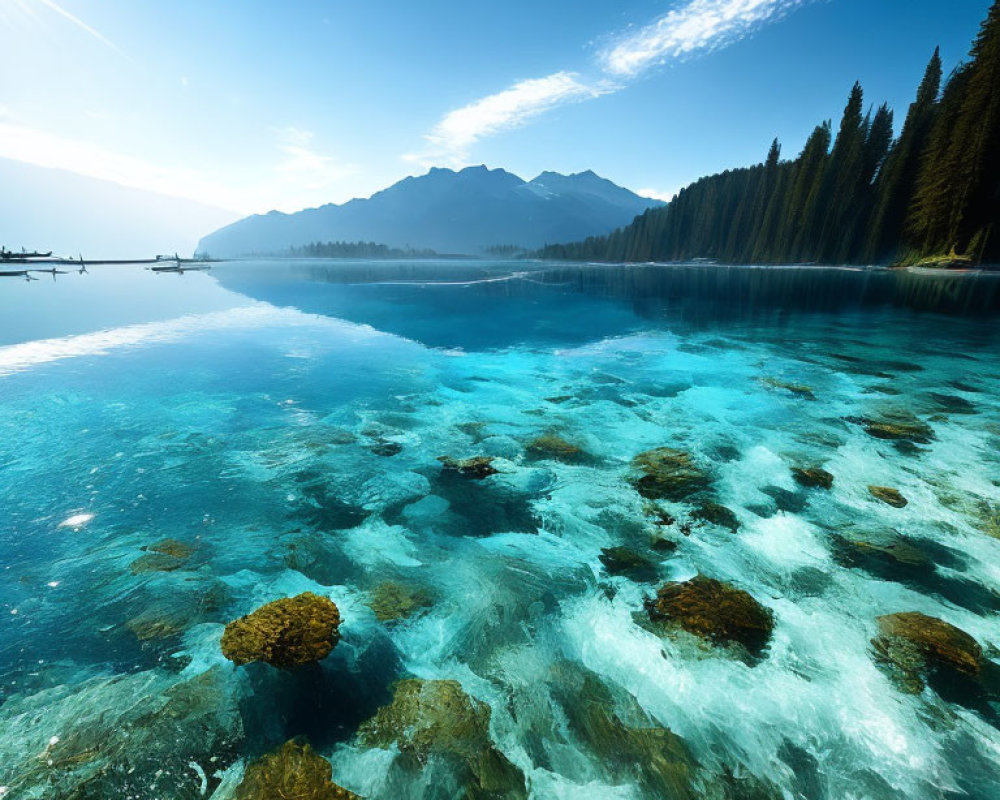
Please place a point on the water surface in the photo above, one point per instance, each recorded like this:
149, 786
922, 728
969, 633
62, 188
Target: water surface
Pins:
286, 420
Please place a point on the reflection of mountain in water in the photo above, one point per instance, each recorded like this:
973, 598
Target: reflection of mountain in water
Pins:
456, 303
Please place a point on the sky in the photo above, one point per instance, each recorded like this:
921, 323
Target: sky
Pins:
252, 105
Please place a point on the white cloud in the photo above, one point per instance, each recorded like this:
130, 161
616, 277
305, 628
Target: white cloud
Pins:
658, 194
458, 130
302, 163
34, 146
697, 25
301, 177
53, 6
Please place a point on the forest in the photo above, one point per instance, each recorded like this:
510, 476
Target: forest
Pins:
930, 196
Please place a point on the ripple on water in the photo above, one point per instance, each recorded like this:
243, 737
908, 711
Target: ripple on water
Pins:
154, 493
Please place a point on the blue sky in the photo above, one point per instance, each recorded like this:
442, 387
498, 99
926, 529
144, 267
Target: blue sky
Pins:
253, 104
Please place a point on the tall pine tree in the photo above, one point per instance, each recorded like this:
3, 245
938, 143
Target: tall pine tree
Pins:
897, 181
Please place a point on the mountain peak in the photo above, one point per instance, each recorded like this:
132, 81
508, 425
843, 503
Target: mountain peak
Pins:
464, 211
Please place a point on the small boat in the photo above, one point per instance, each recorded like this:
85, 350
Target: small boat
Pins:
10, 255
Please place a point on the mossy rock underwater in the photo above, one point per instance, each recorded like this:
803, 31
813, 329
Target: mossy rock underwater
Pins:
476, 468
889, 496
915, 647
668, 474
436, 719
899, 428
715, 611
554, 447
286, 633
812, 477
717, 514
627, 562
292, 772
392, 601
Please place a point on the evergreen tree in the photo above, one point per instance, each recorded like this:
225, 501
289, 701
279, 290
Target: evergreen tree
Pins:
898, 180
933, 191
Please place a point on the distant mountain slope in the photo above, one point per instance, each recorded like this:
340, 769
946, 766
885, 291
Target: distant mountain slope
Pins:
447, 211
52, 209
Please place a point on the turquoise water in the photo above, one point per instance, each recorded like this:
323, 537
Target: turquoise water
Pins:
287, 420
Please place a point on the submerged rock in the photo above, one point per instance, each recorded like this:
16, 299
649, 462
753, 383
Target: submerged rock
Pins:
785, 500
627, 747
623, 739
393, 601
715, 611
552, 446
891, 550
127, 736
165, 555
156, 562
317, 557
286, 633
477, 468
889, 496
953, 403
797, 389
292, 772
172, 547
915, 647
987, 517
899, 428
812, 477
717, 514
170, 614
437, 719
385, 448
627, 562
668, 474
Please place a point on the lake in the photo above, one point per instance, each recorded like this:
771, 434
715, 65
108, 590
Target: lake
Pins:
492, 468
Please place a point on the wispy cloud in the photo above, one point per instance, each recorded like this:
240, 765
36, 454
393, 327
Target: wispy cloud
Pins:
458, 130
690, 27
298, 176
658, 194
58, 9
34, 146
305, 164
697, 26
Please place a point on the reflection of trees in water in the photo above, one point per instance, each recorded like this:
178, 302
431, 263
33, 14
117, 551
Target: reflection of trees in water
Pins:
743, 291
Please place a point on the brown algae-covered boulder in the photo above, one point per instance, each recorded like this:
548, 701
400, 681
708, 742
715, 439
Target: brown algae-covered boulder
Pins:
668, 474
715, 611
797, 389
156, 562
626, 561
555, 447
812, 477
437, 718
717, 514
286, 633
914, 646
888, 495
292, 772
172, 547
899, 427
392, 601
476, 468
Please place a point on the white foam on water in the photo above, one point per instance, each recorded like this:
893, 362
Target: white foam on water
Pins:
77, 520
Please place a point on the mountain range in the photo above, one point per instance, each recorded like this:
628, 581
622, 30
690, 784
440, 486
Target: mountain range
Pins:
44, 209
465, 212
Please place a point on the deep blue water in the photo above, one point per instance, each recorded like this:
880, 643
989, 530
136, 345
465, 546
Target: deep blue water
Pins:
286, 420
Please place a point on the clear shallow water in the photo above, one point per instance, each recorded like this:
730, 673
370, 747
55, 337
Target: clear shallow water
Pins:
287, 421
